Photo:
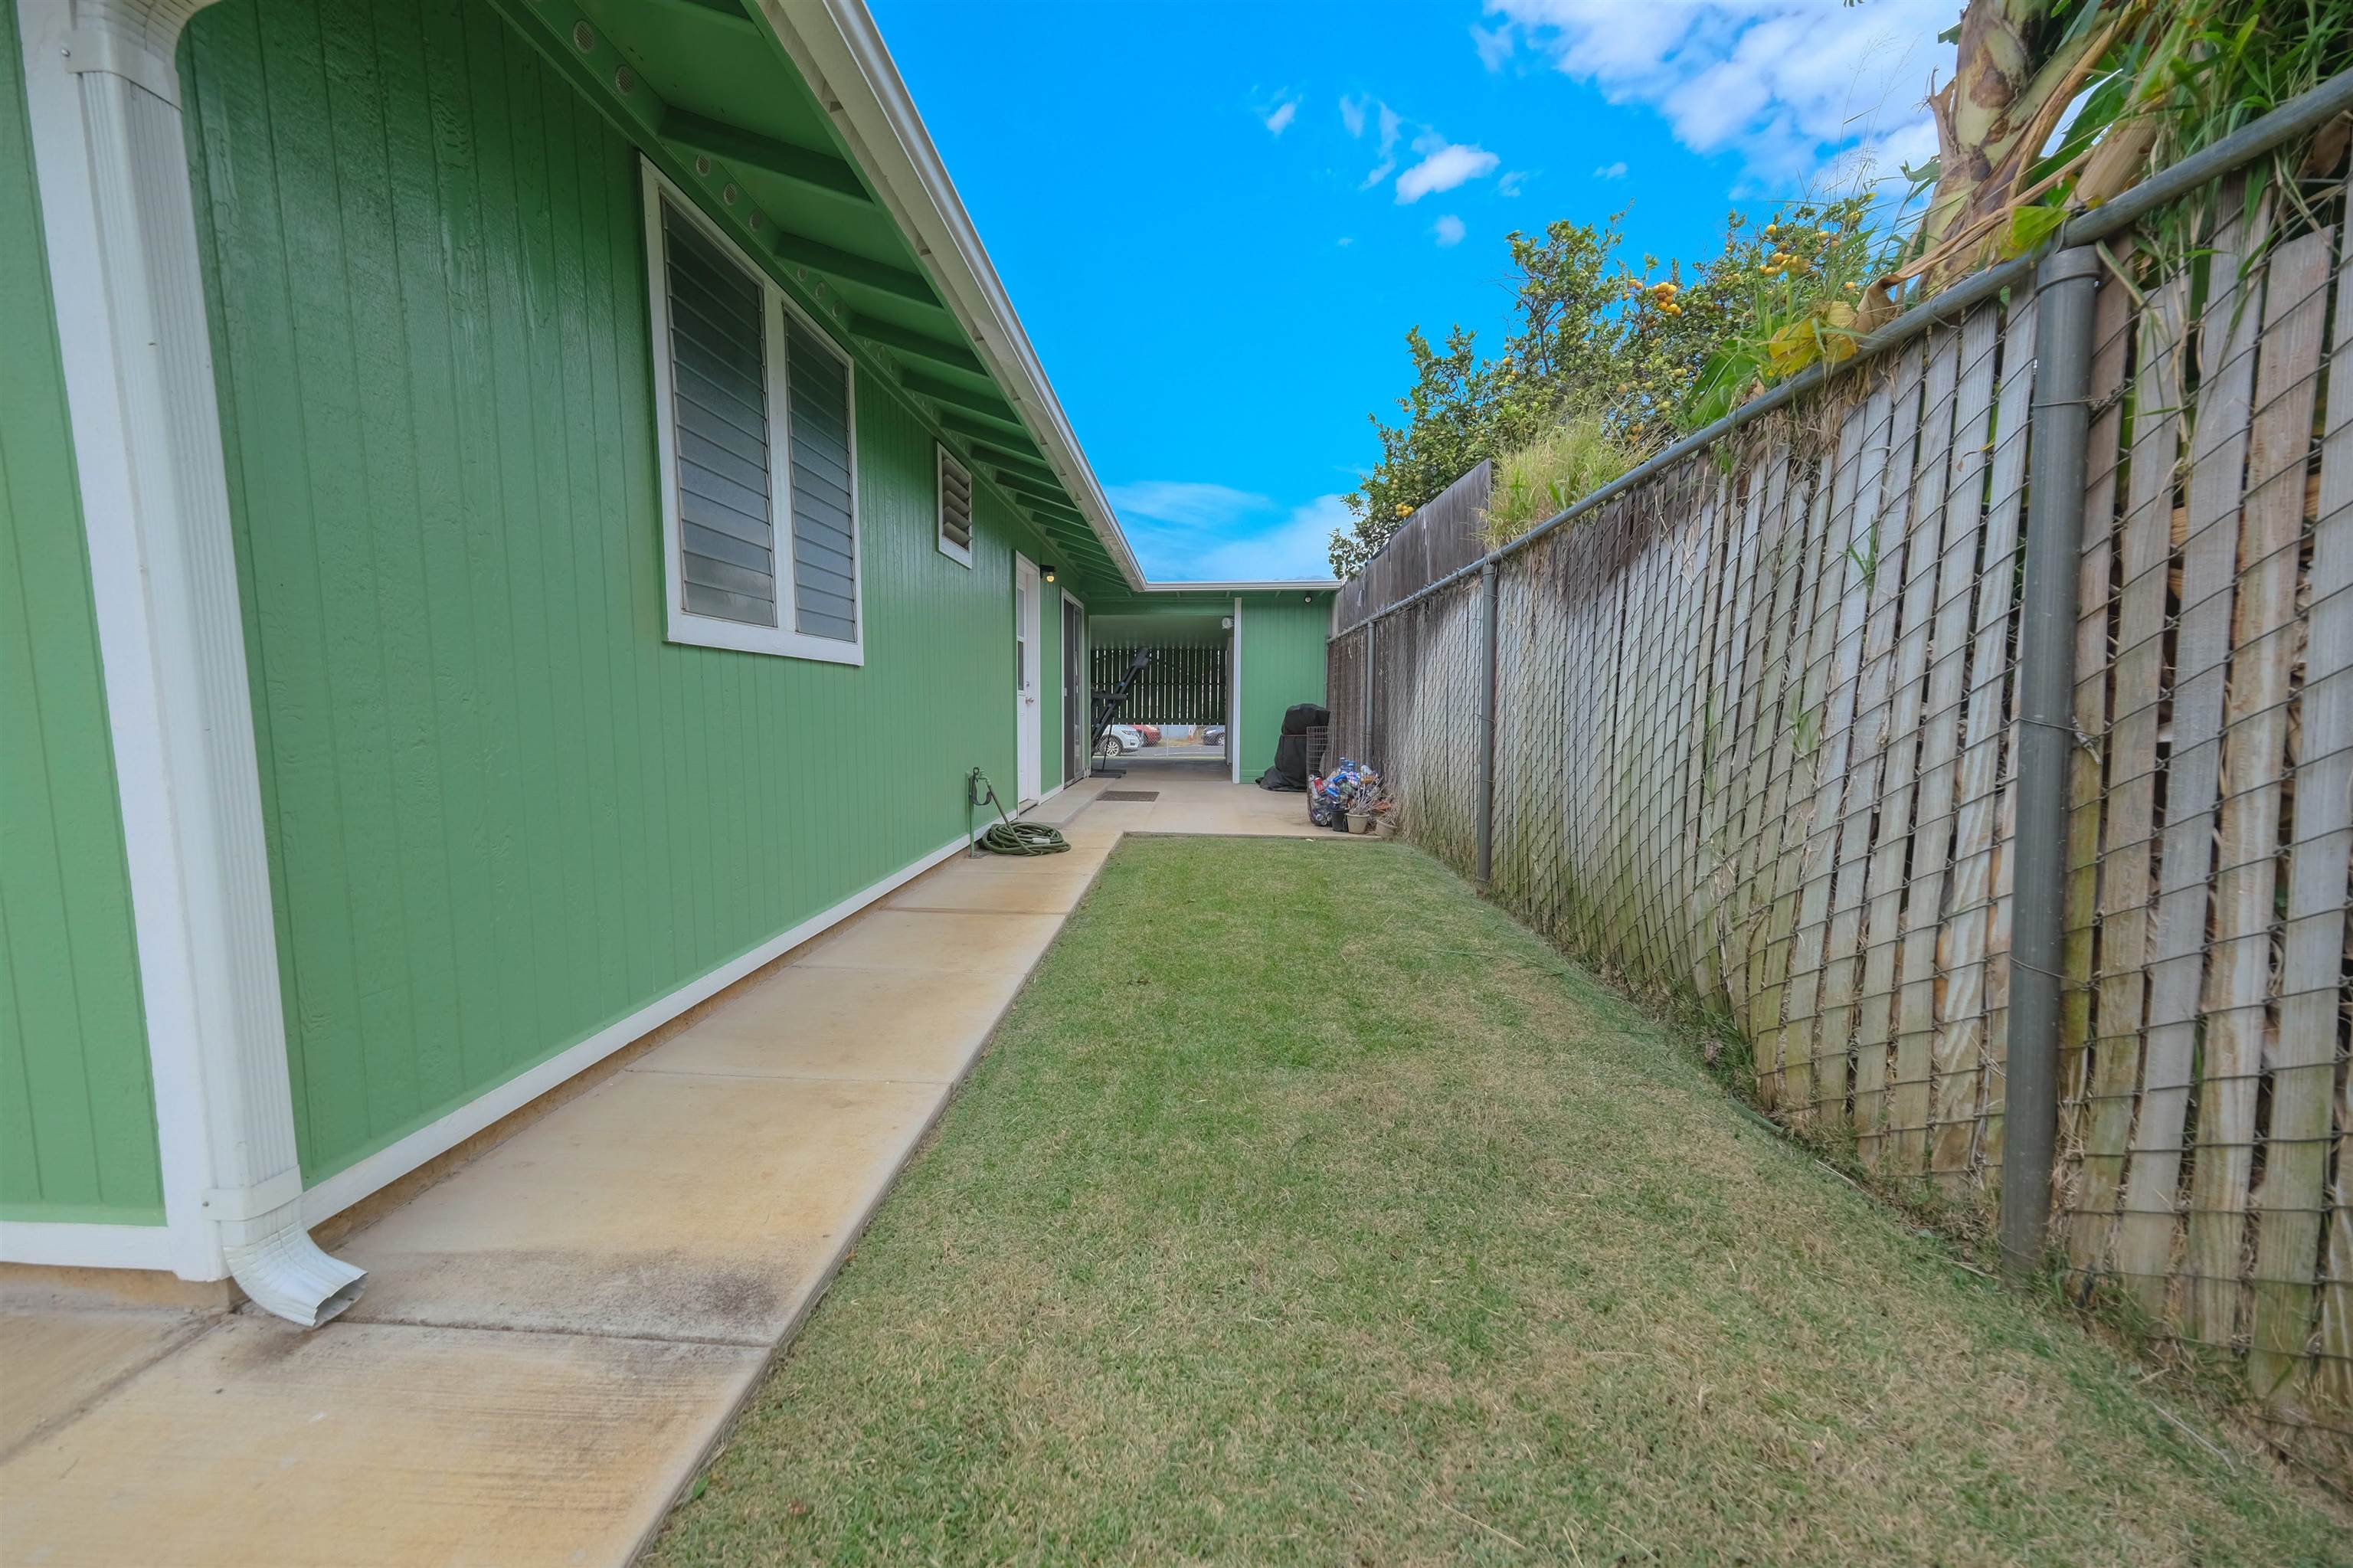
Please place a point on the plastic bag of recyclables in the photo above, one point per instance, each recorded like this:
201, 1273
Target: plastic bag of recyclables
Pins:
1328, 797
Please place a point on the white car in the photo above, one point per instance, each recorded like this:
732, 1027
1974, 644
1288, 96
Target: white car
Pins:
1119, 739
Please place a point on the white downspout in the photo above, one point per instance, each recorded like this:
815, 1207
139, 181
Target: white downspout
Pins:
110, 157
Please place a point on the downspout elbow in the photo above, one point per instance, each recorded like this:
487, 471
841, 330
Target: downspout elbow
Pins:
273, 1259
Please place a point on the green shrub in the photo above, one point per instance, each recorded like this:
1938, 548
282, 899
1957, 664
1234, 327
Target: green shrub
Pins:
1561, 467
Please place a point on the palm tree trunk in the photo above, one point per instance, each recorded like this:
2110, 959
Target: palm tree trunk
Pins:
1991, 120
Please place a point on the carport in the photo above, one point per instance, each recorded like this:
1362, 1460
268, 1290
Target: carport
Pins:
1179, 700
1235, 655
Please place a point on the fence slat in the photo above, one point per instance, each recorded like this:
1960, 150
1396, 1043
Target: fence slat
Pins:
2264, 641
1851, 776
1808, 900
1716, 886
1696, 578
2112, 325
1959, 1107
1617, 819
2127, 884
1768, 748
1910, 564
1707, 582
1961, 515
2226, 338
2312, 995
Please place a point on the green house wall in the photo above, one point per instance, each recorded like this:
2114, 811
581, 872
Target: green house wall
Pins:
77, 1109
1283, 661
503, 811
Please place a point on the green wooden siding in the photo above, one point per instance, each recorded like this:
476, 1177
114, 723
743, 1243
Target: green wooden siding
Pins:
1282, 663
502, 812
77, 1109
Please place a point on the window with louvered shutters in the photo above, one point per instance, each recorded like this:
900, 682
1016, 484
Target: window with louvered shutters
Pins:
755, 437
825, 526
955, 509
720, 415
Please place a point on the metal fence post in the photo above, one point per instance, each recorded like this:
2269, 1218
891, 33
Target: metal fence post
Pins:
2059, 431
1487, 598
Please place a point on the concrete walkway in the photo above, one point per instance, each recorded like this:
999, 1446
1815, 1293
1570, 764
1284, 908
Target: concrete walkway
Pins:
553, 1336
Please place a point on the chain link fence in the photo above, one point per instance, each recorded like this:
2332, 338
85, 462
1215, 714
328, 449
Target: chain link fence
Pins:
1757, 731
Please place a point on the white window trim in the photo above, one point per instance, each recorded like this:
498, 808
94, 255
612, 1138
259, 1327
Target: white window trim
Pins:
682, 625
941, 461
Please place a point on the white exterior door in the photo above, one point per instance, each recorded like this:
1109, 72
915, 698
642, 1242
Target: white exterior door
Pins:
1027, 677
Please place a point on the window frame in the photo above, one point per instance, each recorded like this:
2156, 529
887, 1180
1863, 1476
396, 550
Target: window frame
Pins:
943, 460
682, 625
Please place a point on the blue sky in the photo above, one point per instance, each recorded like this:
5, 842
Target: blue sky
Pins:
1218, 221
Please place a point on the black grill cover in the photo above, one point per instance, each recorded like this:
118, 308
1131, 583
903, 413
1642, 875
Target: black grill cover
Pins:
1290, 770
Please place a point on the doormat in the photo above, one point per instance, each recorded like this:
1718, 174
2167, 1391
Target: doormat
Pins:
1129, 795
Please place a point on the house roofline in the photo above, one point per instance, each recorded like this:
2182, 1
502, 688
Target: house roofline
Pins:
841, 55
1287, 585
843, 58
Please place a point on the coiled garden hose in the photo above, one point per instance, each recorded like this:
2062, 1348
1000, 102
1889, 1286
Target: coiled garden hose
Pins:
1006, 836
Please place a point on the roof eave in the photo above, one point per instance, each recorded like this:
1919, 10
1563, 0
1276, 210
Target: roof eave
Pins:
842, 57
1290, 585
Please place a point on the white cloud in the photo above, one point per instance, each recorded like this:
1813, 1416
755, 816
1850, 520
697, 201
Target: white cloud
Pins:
1298, 546
1793, 85
1444, 165
1615, 171
1352, 114
1185, 531
1281, 118
1495, 48
1449, 230
1509, 185
1187, 505
1345, 240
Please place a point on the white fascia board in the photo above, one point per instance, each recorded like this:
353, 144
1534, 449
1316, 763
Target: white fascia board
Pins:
841, 57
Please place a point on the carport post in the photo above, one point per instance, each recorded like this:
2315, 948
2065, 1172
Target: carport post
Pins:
2057, 434
1487, 599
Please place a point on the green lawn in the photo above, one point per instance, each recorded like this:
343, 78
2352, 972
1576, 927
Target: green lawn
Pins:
1307, 1210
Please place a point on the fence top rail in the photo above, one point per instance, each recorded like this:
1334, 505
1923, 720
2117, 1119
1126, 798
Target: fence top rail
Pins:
2305, 112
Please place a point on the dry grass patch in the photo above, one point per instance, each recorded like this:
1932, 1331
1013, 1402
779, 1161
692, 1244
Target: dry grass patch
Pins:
1268, 1232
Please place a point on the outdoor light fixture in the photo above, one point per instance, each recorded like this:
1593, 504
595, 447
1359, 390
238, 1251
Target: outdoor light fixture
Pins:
1049, 572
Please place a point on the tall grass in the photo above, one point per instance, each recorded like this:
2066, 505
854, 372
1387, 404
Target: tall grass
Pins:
1561, 467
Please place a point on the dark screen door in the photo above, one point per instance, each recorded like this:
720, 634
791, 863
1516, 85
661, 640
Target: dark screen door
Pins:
1078, 703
